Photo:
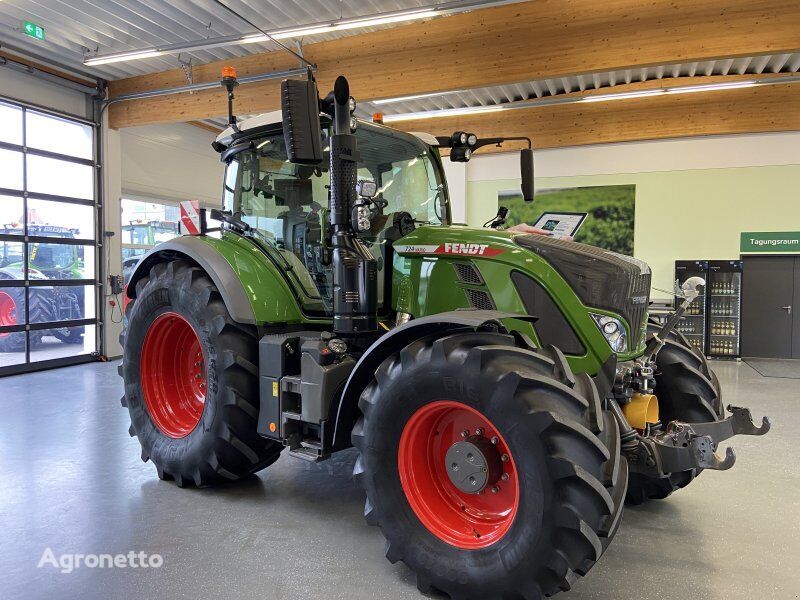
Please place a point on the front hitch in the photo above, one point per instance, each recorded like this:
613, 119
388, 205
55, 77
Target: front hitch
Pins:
687, 446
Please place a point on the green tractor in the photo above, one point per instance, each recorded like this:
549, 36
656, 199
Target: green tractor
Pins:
505, 391
46, 261
146, 233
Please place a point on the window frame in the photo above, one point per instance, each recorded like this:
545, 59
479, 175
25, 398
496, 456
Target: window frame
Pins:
96, 323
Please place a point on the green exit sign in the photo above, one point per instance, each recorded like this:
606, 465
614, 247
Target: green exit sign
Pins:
33, 30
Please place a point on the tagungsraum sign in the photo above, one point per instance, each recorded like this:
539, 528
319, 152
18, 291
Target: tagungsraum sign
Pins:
773, 242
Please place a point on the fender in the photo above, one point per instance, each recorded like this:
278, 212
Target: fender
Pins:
398, 338
227, 262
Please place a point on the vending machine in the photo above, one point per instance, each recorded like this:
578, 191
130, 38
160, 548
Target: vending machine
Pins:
723, 306
693, 322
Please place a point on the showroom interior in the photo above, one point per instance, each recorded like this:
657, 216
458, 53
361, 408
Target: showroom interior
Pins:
220, 356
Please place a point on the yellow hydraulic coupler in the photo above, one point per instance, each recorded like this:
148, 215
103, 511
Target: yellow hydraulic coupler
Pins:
641, 411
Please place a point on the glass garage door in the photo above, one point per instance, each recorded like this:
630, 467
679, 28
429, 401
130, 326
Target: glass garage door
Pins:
48, 239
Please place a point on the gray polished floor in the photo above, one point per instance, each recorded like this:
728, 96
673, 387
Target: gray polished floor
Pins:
72, 482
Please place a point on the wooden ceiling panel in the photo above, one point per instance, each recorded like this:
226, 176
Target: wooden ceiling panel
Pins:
508, 44
748, 110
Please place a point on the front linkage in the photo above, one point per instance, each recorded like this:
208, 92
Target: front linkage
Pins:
686, 446
680, 446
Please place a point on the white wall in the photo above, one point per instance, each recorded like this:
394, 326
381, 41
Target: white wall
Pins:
112, 186
172, 162
693, 196
712, 152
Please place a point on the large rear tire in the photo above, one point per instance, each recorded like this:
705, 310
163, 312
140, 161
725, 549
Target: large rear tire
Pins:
688, 391
544, 518
191, 380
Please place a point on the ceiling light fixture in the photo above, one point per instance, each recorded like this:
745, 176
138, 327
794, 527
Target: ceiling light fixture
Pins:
400, 16
728, 85
112, 58
447, 112
415, 97
623, 95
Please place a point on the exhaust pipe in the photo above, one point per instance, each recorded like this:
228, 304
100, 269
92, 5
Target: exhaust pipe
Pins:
355, 270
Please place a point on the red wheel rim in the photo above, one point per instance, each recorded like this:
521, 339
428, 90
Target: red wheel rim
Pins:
465, 520
8, 312
173, 375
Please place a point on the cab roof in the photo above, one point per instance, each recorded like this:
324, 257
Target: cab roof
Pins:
275, 117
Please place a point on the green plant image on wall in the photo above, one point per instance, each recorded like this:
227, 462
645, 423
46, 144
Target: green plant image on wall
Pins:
610, 212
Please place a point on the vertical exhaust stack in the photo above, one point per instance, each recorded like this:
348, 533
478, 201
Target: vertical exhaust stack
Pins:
355, 273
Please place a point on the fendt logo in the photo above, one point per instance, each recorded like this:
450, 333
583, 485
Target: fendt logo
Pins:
465, 248
451, 248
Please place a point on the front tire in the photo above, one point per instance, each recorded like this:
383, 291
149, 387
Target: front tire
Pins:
191, 380
542, 520
687, 391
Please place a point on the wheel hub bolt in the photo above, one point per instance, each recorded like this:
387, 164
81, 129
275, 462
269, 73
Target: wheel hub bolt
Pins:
495, 489
479, 431
504, 458
504, 477
495, 440
465, 433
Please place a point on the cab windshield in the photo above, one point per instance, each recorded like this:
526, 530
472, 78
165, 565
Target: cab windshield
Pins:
288, 203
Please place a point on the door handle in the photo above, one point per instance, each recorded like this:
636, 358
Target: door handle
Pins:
787, 308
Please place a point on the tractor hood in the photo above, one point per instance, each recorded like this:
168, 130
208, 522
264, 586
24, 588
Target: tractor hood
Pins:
567, 285
600, 278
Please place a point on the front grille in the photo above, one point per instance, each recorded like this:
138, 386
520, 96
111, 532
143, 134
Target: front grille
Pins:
479, 299
467, 273
600, 278
636, 306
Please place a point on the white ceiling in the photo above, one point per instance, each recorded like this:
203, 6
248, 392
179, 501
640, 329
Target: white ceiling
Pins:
76, 28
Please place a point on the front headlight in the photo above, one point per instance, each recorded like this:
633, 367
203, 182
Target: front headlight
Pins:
613, 330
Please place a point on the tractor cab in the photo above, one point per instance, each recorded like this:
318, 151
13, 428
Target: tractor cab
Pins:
52, 260
288, 204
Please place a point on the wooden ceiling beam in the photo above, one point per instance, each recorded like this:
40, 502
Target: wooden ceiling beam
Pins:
747, 110
507, 44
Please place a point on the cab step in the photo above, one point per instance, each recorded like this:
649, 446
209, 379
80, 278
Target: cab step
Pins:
307, 454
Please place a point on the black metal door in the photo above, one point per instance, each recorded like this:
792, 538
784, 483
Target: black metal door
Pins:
767, 310
795, 308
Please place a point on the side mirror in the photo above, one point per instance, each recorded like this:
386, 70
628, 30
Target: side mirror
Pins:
526, 171
301, 128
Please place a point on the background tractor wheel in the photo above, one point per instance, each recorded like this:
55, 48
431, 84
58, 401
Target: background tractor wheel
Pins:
12, 303
12, 312
191, 380
483, 412
70, 335
688, 391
